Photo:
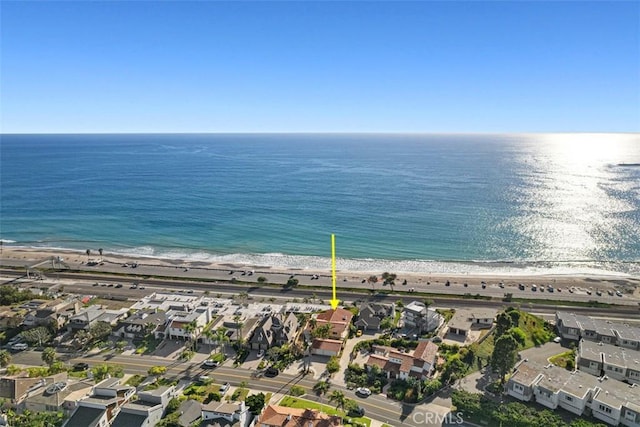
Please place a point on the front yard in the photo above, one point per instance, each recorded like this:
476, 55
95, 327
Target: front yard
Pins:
296, 402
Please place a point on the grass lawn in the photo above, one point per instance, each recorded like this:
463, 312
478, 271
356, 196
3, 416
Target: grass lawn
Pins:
240, 394
532, 326
199, 391
148, 346
296, 402
562, 358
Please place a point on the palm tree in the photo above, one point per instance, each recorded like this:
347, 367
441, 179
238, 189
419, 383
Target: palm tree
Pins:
48, 356
321, 387
338, 398
239, 326
372, 280
192, 328
221, 337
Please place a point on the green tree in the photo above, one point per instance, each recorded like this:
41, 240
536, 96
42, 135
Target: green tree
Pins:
36, 336
322, 331
99, 331
503, 324
48, 356
321, 387
333, 365
372, 280
191, 328
237, 320
255, 403
337, 397
101, 372
157, 370
519, 335
297, 390
504, 355
221, 338
292, 282
386, 323
262, 280
120, 345
5, 358
57, 367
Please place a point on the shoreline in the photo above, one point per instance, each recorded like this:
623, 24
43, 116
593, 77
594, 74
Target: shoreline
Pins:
321, 265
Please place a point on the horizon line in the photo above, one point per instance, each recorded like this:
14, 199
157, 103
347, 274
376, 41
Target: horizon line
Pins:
321, 133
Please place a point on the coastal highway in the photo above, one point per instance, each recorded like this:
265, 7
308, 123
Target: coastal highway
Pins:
376, 406
193, 272
82, 282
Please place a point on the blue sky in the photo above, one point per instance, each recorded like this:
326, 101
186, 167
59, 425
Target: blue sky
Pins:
504, 66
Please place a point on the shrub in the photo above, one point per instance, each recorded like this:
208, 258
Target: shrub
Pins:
297, 390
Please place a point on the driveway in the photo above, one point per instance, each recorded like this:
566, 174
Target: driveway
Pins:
543, 353
345, 358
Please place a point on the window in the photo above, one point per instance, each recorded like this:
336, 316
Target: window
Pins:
631, 416
593, 365
604, 409
568, 398
518, 387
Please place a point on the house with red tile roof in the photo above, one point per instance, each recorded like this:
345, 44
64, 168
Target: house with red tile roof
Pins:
419, 363
340, 321
281, 416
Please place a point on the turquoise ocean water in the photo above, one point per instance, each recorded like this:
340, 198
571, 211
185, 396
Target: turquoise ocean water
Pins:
429, 203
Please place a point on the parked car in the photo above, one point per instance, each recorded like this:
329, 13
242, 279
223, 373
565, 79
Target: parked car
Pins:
204, 379
224, 388
363, 391
81, 366
260, 353
19, 346
356, 412
118, 285
557, 339
359, 333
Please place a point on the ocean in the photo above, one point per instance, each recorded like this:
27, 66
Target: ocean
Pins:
467, 204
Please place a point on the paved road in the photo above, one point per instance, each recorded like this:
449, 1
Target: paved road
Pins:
82, 283
377, 407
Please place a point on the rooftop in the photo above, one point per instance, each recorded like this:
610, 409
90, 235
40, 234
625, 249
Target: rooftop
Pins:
84, 416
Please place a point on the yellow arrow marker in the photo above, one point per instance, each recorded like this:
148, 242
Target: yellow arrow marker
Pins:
334, 300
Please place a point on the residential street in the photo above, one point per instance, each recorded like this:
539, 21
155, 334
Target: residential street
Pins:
377, 407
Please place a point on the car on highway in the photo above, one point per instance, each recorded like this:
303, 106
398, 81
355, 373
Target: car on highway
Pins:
19, 346
118, 285
81, 366
210, 364
363, 391
204, 379
271, 372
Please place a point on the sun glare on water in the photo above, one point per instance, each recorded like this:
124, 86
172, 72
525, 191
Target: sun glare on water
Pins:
570, 212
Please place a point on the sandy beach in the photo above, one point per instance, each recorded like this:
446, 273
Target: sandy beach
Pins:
148, 266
